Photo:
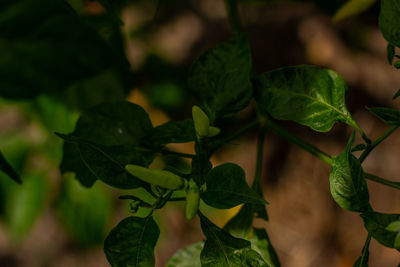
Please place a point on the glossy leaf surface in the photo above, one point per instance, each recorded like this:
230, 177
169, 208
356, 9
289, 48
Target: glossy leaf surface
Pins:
227, 188
220, 78
221, 249
308, 95
131, 243
347, 183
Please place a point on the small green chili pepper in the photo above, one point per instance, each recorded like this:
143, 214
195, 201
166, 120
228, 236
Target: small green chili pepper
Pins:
213, 131
164, 179
192, 200
201, 121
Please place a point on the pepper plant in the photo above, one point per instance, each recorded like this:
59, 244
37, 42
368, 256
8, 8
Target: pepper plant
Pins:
115, 142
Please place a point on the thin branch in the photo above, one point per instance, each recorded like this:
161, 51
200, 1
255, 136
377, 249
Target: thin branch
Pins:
377, 142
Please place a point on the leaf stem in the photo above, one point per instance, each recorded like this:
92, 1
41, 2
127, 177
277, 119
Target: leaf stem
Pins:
376, 142
320, 154
363, 135
231, 7
380, 180
301, 143
363, 259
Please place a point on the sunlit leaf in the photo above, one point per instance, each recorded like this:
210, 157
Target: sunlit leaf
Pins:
347, 183
308, 95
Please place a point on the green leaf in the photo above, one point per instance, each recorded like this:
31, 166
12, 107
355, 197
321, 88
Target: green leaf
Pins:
85, 213
171, 132
220, 78
116, 128
187, 257
221, 249
241, 224
132, 242
8, 169
114, 124
362, 261
347, 183
387, 115
308, 95
391, 51
50, 48
376, 224
106, 163
352, 8
389, 21
262, 245
394, 226
24, 205
227, 188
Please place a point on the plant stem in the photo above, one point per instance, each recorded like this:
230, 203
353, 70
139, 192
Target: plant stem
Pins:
231, 7
259, 162
301, 143
320, 154
380, 180
376, 142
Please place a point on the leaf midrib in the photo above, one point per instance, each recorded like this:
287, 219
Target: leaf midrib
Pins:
280, 91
